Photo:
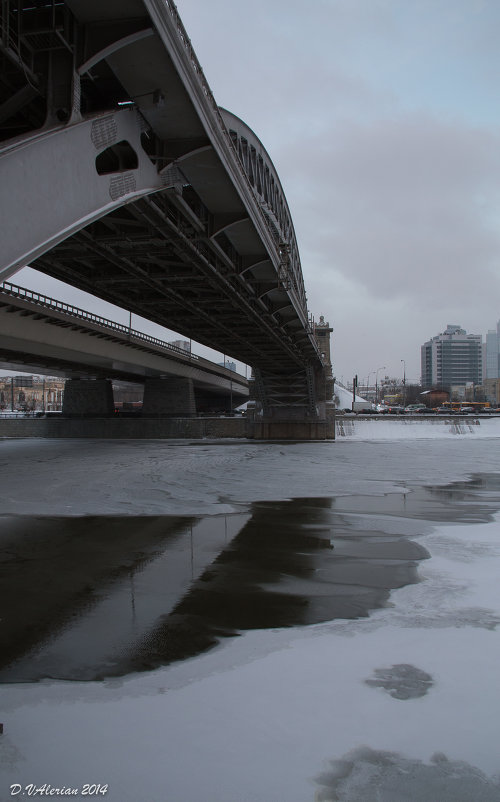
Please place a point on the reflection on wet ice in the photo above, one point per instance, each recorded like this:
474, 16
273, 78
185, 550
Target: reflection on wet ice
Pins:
85, 598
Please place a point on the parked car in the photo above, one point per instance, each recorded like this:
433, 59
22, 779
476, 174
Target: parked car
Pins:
364, 407
413, 408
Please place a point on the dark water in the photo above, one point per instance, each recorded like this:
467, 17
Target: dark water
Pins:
94, 597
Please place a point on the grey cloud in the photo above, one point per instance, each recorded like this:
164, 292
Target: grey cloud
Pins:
401, 203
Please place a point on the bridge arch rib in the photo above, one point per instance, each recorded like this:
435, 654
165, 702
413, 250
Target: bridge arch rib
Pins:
269, 193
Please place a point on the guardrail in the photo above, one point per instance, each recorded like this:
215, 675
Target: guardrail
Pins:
13, 290
46, 302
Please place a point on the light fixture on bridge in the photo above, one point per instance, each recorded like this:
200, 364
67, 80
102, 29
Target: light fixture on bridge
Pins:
157, 95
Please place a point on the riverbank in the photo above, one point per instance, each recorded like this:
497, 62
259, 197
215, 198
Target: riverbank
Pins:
132, 428
353, 427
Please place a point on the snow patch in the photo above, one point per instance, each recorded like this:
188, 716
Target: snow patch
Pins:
366, 773
381, 428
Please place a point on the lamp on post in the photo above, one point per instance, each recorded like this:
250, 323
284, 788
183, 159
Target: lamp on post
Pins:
404, 382
376, 382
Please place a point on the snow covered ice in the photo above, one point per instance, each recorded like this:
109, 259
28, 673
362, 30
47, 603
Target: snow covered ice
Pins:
398, 705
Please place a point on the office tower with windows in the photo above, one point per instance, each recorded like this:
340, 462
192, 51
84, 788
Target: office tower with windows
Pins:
452, 358
493, 353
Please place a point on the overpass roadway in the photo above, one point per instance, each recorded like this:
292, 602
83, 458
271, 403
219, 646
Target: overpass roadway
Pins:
43, 335
120, 175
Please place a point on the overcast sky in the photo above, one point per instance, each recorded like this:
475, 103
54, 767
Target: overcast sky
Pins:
382, 118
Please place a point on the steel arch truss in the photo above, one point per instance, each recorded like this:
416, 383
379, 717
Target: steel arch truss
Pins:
286, 395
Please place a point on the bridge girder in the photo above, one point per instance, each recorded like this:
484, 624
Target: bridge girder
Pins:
43, 335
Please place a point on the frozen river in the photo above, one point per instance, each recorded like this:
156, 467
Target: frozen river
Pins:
253, 622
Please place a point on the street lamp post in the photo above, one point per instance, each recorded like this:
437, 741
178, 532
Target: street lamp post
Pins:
404, 382
368, 386
376, 382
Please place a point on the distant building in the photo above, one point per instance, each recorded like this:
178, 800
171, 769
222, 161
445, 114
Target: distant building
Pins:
492, 367
492, 391
434, 398
228, 365
452, 358
31, 393
184, 345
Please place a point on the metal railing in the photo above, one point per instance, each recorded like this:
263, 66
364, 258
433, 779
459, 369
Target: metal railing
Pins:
38, 299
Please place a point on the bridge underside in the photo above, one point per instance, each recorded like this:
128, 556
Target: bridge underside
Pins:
151, 207
151, 258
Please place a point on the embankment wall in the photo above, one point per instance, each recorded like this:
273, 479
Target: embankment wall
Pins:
124, 428
353, 428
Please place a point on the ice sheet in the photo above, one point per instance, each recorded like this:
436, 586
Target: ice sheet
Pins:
134, 477
286, 714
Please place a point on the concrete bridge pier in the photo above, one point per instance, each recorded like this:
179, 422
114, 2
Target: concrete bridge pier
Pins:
169, 397
88, 397
298, 405
304, 429
294, 407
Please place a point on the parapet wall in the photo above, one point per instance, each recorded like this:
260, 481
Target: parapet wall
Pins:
124, 428
165, 428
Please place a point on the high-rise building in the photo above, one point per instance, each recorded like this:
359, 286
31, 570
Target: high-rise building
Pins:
493, 353
452, 358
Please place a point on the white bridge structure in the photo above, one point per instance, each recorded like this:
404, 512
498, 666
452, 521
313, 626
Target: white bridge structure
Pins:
121, 176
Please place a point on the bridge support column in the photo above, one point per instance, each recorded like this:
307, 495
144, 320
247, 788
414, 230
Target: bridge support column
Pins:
169, 398
294, 428
297, 406
88, 397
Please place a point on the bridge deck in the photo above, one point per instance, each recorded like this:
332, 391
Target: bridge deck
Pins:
42, 334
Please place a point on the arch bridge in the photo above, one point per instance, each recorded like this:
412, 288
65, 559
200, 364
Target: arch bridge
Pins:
121, 176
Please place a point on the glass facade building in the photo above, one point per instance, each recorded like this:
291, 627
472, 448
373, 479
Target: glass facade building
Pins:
493, 353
